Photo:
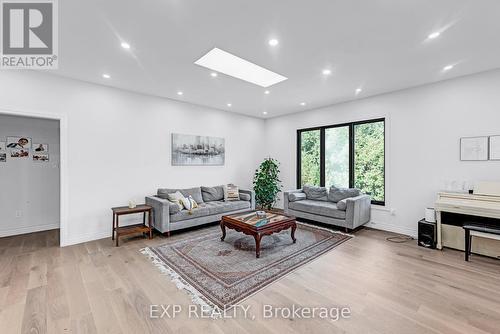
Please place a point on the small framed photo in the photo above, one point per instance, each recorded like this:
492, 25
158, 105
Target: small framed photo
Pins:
495, 147
474, 149
3, 157
19, 147
41, 157
3, 152
40, 148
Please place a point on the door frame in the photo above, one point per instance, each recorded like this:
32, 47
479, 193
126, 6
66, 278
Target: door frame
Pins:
63, 163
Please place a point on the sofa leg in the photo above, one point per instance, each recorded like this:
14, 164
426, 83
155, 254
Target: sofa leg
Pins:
168, 234
346, 230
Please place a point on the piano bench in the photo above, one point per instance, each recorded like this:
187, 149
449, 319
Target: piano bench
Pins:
478, 230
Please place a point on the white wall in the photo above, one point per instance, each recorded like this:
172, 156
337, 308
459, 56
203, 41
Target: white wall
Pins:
119, 144
424, 126
29, 196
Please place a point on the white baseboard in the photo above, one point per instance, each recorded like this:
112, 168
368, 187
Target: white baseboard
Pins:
81, 238
393, 228
28, 229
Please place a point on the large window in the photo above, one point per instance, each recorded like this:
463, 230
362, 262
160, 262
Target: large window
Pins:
345, 155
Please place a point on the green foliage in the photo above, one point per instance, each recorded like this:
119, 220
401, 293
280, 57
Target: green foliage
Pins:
266, 183
310, 158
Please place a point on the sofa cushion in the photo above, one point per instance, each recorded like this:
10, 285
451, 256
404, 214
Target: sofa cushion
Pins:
176, 198
321, 208
217, 207
195, 192
245, 197
173, 207
210, 194
185, 214
337, 194
315, 193
293, 197
342, 205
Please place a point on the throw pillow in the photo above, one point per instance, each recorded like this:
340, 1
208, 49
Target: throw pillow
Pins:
245, 197
232, 193
177, 198
210, 194
195, 192
315, 193
342, 204
173, 207
293, 197
189, 203
337, 194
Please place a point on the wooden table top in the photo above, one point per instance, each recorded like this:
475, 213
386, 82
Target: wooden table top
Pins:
250, 220
123, 210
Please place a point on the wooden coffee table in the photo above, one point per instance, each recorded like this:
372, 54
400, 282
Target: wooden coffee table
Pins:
248, 223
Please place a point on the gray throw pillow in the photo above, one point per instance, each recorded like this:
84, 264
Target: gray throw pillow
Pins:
337, 194
315, 193
245, 197
342, 204
293, 197
211, 194
194, 192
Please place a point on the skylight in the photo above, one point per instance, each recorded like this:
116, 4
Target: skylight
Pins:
224, 62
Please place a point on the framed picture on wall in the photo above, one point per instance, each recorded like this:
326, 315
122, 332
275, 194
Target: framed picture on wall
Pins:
474, 148
3, 152
19, 147
495, 147
190, 150
40, 157
40, 148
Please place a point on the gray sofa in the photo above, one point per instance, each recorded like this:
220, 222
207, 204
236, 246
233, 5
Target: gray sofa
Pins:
325, 207
211, 207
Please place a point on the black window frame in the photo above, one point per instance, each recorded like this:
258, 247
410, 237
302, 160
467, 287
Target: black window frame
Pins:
352, 138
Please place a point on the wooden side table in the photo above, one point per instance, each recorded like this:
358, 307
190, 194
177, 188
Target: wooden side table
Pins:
136, 228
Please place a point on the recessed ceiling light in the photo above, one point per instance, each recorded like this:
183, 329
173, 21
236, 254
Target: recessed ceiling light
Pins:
125, 45
264, 113
229, 104
273, 42
179, 93
106, 76
327, 71
214, 74
434, 35
302, 103
358, 91
267, 92
224, 62
448, 67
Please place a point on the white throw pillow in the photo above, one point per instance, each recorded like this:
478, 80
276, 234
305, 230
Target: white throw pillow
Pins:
189, 203
176, 198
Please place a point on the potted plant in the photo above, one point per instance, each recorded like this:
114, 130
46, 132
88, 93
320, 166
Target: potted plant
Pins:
266, 183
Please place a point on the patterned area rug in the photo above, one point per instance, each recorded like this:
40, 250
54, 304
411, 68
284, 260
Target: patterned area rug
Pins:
225, 273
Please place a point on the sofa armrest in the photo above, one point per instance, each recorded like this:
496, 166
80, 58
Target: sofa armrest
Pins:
286, 200
161, 214
252, 197
358, 211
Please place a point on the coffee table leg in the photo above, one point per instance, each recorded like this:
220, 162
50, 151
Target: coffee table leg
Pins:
257, 245
294, 227
223, 228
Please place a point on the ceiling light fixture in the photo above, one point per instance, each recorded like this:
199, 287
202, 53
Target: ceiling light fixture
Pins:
302, 103
125, 45
264, 113
106, 76
273, 42
267, 92
358, 91
327, 72
214, 74
229, 104
224, 62
434, 35
448, 67
179, 93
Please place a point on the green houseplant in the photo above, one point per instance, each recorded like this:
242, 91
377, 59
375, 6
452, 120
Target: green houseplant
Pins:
266, 183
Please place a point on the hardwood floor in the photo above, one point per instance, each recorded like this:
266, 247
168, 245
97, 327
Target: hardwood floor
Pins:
389, 288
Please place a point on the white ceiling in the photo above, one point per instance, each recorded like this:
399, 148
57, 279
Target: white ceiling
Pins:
379, 45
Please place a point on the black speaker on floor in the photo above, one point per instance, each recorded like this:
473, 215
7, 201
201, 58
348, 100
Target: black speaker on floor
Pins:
427, 234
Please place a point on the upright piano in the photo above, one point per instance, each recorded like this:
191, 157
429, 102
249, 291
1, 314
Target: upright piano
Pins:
455, 208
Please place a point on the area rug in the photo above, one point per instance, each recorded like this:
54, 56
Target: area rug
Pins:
223, 273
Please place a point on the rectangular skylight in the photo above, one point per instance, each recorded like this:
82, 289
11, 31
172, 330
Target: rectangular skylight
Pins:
224, 62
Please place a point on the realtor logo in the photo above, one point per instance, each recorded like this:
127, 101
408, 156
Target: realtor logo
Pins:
29, 34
